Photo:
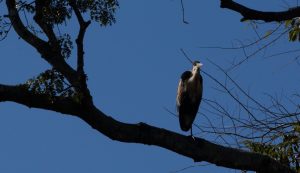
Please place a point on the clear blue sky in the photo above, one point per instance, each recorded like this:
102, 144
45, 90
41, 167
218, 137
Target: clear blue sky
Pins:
133, 68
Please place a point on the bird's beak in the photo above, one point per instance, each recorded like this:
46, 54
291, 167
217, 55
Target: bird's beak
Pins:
200, 64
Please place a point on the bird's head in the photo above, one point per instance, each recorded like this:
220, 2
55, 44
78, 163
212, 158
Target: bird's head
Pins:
197, 65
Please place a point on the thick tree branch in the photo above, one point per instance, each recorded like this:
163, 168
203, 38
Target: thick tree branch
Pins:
20, 94
251, 14
47, 52
198, 149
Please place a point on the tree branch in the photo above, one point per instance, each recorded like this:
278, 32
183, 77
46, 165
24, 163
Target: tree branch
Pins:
79, 41
198, 149
80, 51
20, 28
251, 14
47, 52
20, 94
47, 28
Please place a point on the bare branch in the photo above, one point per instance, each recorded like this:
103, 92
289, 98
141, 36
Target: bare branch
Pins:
251, 14
183, 15
263, 47
244, 46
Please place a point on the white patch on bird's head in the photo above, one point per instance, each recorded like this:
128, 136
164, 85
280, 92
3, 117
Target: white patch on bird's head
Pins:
196, 66
199, 65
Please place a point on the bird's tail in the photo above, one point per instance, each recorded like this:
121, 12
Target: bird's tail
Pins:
185, 122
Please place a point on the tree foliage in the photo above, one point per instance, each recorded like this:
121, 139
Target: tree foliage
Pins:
51, 83
285, 150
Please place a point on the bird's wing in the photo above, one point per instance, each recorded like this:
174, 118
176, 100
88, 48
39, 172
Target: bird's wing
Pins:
179, 94
183, 102
182, 88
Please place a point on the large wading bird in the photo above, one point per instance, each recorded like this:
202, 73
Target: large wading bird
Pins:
189, 95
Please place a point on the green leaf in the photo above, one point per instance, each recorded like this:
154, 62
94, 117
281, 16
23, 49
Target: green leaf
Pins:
268, 33
288, 23
293, 35
51, 83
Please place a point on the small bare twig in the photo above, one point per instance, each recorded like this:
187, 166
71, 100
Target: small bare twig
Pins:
183, 17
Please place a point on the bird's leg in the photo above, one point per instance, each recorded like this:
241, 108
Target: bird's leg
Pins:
192, 133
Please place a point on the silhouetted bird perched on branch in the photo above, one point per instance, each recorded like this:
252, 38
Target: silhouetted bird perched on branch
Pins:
189, 95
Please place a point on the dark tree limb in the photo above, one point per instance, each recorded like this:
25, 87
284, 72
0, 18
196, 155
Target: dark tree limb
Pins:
20, 28
83, 25
20, 94
47, 51
79, 41
47, 28
197, 149
183, 15
252, 14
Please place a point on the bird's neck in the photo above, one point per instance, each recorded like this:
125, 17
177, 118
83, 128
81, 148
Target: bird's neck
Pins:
195, 73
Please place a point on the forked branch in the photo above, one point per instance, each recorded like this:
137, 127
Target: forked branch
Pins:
46, 50
79, 41
83, 25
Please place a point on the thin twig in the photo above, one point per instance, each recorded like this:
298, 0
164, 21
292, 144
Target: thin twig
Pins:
183, 17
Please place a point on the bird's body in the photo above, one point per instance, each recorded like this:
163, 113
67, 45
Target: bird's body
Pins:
189, 95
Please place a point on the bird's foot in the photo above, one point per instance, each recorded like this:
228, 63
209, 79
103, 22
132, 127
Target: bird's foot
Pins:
193, 137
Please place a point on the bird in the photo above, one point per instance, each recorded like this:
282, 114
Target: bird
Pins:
189, 95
